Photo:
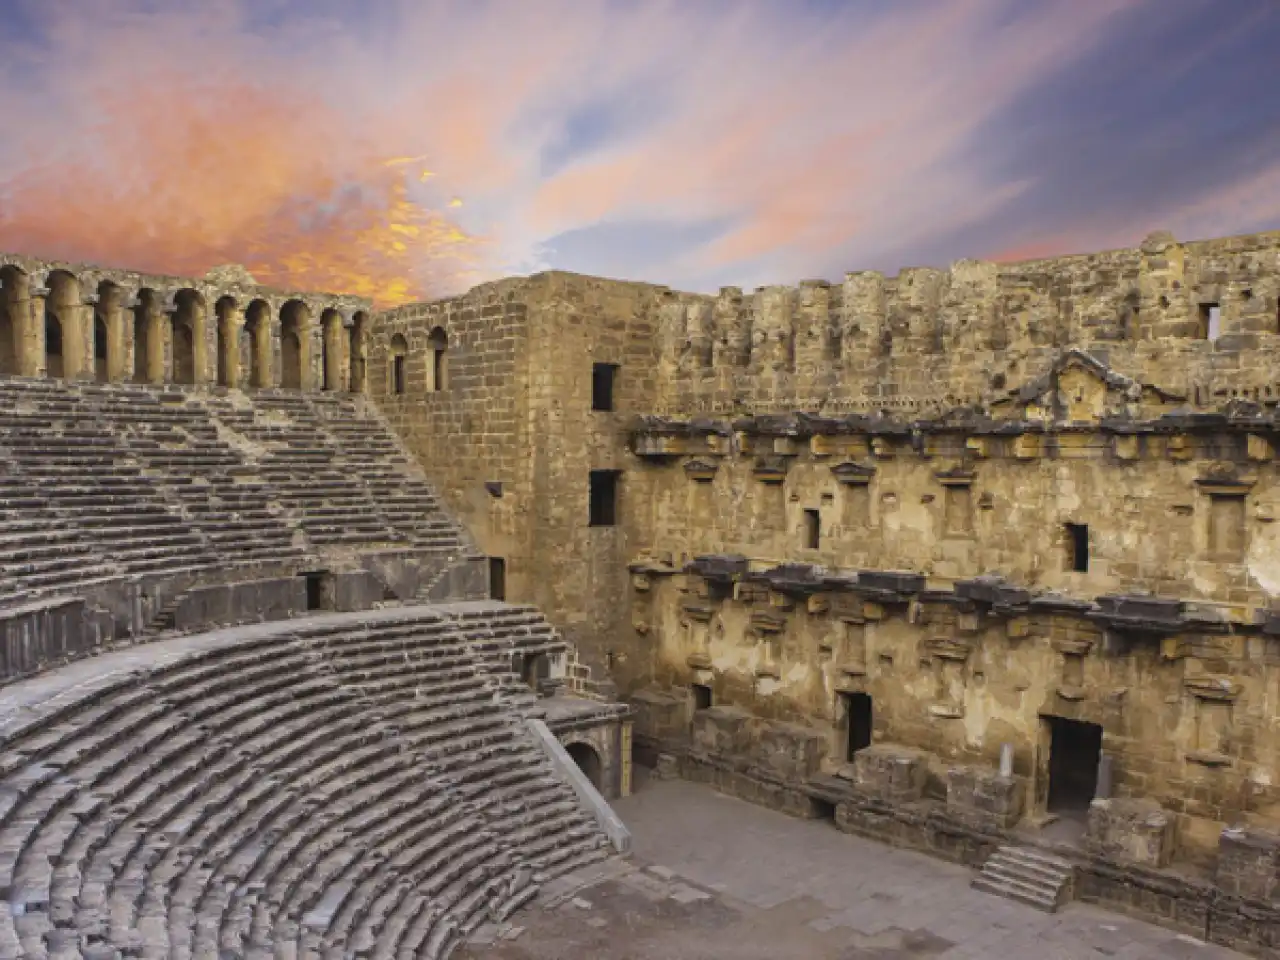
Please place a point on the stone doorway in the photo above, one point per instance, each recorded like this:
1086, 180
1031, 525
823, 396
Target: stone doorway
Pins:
858, 717
1075, 747
588, 761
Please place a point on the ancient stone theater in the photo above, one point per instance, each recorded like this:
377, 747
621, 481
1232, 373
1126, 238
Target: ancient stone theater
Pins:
330, 631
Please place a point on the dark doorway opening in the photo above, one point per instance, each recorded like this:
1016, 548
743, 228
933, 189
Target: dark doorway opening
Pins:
1078, 547
857, 711
602, 381
319, 590
822, 809
1075, 748
534, 669
397, 375
588, 761
603, 496
497, 578
812, 529
701, 696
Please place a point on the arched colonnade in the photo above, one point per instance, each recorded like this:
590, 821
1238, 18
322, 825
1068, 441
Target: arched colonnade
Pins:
54, 323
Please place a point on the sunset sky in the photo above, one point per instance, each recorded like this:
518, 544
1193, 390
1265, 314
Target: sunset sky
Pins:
409, 148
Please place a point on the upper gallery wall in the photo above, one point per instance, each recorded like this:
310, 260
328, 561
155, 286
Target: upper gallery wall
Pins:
83, 322
1199, 320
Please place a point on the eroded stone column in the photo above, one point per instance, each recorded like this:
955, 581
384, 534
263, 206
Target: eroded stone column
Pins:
31, 348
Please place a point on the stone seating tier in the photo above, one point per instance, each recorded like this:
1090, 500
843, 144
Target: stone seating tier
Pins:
345, 785
100, 482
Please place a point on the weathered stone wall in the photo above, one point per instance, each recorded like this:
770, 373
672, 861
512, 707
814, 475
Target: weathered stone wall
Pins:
510, 438
946, 424
931, 340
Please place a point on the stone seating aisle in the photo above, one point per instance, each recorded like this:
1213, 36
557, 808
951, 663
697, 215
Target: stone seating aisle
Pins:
368, 446
177, 443
329, 786
305, 471
504, 636
88, 481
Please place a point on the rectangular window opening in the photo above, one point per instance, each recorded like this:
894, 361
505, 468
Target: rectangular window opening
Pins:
603, 378
701, 696
1210, 321
604, 498
497, 578
1078, 547
397, 375
812, 529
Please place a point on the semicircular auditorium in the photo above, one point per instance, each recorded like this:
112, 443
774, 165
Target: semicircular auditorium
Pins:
327, 630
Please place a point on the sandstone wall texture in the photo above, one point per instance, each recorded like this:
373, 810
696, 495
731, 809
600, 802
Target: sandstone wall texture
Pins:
992, 497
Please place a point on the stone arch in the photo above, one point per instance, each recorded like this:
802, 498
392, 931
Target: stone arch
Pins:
331, 350
14, 308
358, 352
65, 344
101, 348
186, 332
53, 343
397, 365
293, 345
227, 340
587, 759
255, 352
148, 338
438, 341
109, 335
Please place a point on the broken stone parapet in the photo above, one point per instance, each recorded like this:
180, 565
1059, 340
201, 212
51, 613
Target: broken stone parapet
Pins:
985, 798
1132, 831
891, 772
1248, 861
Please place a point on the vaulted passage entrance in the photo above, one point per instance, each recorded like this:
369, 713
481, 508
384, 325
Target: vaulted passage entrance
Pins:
588, 761
1075, 747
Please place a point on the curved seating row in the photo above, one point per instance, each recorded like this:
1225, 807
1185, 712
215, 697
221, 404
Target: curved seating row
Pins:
349, 785
102, 481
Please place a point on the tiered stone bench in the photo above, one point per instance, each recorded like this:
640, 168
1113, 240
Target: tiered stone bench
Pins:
101, 482
342, 785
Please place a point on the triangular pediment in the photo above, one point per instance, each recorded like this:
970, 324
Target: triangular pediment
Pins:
1079, 388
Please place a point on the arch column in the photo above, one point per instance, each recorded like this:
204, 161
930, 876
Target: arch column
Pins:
119, 339
31, 354
202, 333
159, 343
230, 325
77, 339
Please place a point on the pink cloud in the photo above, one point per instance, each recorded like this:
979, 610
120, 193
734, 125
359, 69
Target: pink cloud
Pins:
181, 139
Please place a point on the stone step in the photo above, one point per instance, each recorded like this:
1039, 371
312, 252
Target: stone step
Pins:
1028, 875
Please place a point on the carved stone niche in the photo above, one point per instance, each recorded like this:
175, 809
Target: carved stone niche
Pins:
1213, 698
700, 471
955, 477
770, 470
948, 656
768, 627
853, 474
1126, 446
1073, 650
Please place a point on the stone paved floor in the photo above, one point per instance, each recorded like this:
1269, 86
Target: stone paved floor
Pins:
713, 878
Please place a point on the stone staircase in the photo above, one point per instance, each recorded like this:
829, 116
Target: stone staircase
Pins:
1027, 875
